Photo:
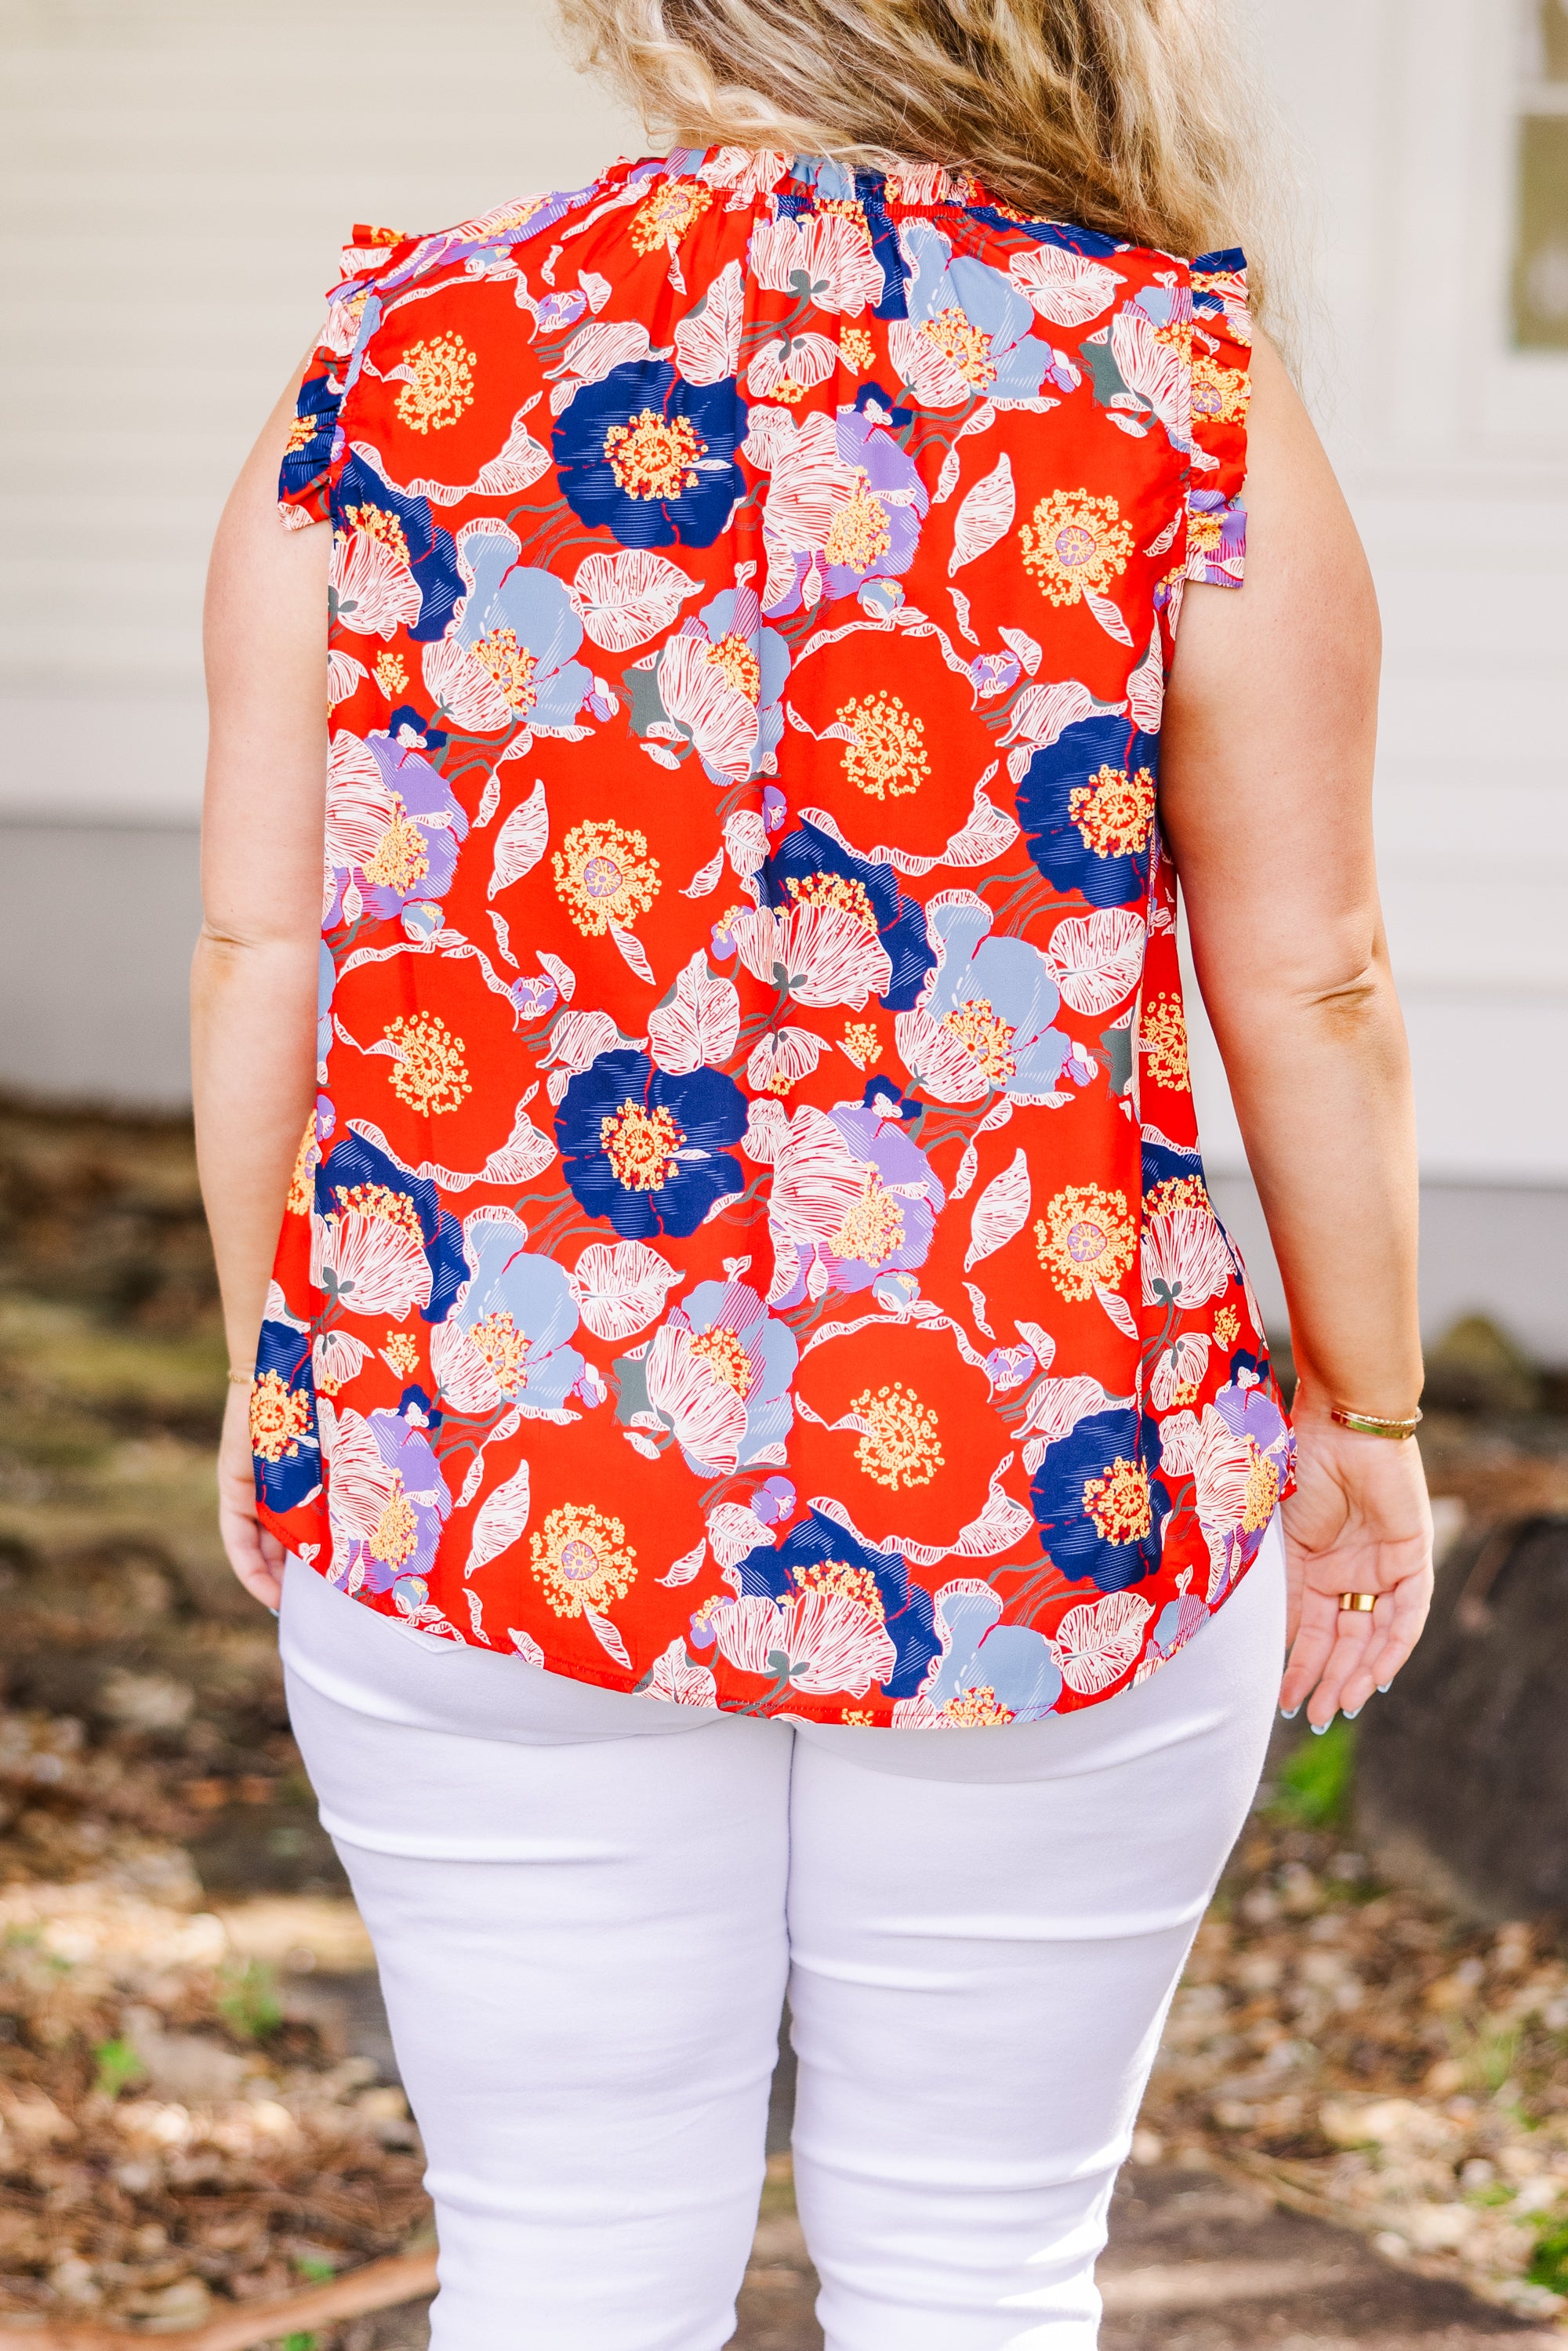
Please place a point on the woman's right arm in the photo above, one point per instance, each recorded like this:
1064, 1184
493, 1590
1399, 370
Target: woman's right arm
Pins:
1266, 799
253, 981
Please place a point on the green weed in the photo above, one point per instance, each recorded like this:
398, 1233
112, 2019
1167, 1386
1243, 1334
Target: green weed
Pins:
117, 2067
1549, 2262
248, 2002
1314, 1781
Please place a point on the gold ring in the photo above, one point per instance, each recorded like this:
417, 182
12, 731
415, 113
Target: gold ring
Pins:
1362, 1602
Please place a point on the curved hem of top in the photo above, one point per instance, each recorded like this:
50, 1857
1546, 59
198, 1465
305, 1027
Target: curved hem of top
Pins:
809, 1710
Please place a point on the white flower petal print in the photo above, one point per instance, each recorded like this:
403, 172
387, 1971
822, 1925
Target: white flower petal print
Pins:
463, 689
817, 1179
733, 1531
361, 1484
810, 483
1001, 1211
360, 804
985, 516
830, 251
1041, 713
782, 1059
748, 1632
824, 954
1184, 1258
593, 351
707, 1415
924, 366
698, 696
374, 592
1109, 616
939, 1060
608, 1637
792, 360
834, 1642
678, 1681
461, 1374
526, 1646
1097, 959
1154, 370
336, 1357
707, 341
1057, 1405
1064, 286
521, 841
377, 1264
624, 599
1182, 1365
1147, 688
686, 1568
746, 842
1096, 1642
499, 1520
619, 1287
698, 1025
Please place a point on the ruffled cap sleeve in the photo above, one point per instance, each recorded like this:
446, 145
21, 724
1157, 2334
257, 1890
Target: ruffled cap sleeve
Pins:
313, 452
1221, 387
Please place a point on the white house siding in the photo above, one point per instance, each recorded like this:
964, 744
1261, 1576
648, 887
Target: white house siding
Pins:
176, 177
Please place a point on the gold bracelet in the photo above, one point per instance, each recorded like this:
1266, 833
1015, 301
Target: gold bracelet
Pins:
242, 1379
1372, 1424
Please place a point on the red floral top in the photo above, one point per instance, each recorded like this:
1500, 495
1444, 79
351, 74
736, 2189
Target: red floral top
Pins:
751, 1246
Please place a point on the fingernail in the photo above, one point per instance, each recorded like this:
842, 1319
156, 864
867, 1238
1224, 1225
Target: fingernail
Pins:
1318, 1728
1351, 1712
1384, 1689
1289, 1713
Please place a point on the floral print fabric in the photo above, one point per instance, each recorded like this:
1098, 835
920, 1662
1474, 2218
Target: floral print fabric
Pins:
751, 1244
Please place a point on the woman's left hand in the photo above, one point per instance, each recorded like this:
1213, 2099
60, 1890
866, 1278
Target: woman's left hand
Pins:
1359, 1521
255, 1556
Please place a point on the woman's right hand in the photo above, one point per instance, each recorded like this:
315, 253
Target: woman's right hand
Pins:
1359, 1521
255, 1556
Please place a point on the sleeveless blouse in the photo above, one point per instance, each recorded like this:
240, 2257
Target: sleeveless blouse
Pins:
751, 1245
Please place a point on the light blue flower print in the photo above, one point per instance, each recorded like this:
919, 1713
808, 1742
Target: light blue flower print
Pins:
968, 329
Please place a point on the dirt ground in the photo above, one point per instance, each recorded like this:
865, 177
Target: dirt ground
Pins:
1357, 2132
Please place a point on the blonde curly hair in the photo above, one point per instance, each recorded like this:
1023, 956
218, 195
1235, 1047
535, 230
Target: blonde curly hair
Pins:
1137, 117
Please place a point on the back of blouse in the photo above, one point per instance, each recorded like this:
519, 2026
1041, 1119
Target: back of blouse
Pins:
751, 1246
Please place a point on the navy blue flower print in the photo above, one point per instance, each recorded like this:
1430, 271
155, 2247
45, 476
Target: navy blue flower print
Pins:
821, 1553
1087, 807
1099, 1511
283, 1434
357, 1178
365, 502
651, 458
806, 864
646, 1149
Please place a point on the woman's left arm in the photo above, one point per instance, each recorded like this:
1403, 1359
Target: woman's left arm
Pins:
253, 981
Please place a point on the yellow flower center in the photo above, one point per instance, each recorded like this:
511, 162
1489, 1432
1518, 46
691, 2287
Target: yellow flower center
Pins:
640, 1145
401, 1353
402, 854
835, 890
279, 1416
440, 383
390, 675
668, 213
1175, 1192
1228, 1326
964, 344
1262, 1493
885, 756
1085, 1237
976, 1710
860, 1042
856, 349
377, 523
1073, 543
1113, 811
380, 1203
505, 1348
900, 1445
984, 1034
741, 666
1162, 1040
302, 430
837, 1576
1119, 1502
431, 1076
581, 1558
653, 457
301, 1184
725, 1356
511, 665
396, 1537
604, 875
872, 1229
860, 533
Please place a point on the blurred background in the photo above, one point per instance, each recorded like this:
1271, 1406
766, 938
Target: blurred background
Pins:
1372, 2037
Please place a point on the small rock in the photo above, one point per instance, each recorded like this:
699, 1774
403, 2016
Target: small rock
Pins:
182, 2065
145, 1701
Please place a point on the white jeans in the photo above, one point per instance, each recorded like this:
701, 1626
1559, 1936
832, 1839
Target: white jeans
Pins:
587, 1908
